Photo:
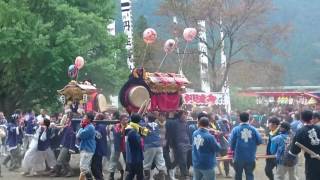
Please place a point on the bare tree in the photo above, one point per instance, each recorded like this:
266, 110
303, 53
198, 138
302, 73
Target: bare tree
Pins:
260, 73
245, 27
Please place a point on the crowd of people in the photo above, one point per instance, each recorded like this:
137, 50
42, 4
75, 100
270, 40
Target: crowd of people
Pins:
157, 144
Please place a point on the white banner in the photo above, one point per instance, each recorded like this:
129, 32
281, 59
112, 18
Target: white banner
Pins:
201, 98
128, 30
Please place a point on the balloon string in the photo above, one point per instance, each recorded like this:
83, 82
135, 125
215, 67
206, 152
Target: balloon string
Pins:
77, 74
164, 58
144, 55
178, 51
184, 53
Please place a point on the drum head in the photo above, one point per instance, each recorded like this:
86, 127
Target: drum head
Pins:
102, 103
138, 95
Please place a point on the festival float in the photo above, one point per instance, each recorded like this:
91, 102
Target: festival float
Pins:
155, 91
81, 97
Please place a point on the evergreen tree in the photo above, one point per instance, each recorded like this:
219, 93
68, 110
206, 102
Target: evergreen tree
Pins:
40, 39
145, 56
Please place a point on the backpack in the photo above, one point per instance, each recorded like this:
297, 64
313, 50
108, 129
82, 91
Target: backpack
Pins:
286, 158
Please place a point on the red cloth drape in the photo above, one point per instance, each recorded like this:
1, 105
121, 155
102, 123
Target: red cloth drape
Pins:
91, 102
165, 102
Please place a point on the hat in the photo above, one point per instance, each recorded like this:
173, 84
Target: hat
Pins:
90, 116
202, 114
135, 118
285, 126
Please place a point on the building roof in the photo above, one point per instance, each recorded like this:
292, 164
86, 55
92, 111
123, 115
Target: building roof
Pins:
284, 88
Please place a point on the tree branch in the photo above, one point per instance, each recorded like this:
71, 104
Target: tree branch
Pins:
236, 62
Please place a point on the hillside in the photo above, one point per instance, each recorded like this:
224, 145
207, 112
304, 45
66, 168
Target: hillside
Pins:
303, 59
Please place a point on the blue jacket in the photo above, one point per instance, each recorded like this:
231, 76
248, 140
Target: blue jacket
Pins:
278, 145
178, 134
204, 149
55, 138
244, 140
68, 138
153, 138
101, 140
13, 137
182, 135
295, 125
30, 125
44, 139
134, 151
87, 138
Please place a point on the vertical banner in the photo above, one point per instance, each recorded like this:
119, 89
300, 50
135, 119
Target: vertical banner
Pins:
128, 30
203, 49
225, 88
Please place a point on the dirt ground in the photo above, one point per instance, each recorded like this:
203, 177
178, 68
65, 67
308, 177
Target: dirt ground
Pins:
259, 171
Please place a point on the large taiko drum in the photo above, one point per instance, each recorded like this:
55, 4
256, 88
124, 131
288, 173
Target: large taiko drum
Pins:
102, 103
138, 95
161, 91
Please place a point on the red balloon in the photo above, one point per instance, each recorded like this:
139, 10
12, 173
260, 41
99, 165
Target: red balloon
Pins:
169, 45
189, 34
79, 62
149, 36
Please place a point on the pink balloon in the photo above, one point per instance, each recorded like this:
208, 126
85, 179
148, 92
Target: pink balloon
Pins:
149, 36
169, 45
189, 34
79, 62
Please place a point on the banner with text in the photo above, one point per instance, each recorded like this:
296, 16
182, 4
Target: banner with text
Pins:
201, 98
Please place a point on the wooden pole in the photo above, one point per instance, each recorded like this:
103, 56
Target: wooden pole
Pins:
258, 156
309, 151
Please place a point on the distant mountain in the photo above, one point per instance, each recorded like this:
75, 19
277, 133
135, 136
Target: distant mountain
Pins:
302, 64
